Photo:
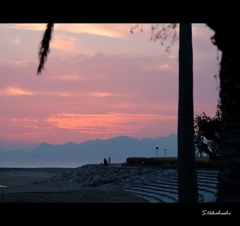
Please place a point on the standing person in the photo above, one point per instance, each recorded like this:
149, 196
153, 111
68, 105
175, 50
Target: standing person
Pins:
105, 162
109, 160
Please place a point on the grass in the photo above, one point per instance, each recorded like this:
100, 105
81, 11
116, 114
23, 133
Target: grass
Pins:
84, 195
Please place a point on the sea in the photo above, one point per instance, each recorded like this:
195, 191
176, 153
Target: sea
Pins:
51, 162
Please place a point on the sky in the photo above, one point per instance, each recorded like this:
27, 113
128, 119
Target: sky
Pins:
100, 81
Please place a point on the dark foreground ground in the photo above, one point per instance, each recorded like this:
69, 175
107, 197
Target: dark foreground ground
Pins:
17, 185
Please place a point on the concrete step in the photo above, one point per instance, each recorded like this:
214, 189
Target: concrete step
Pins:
150, 197
204, 191
164, 196
174, 185
160, 187
207, 196
212, 180
168, 191
210, 186
201, 181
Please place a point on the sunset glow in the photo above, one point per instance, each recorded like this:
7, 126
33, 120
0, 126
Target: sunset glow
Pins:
100, 81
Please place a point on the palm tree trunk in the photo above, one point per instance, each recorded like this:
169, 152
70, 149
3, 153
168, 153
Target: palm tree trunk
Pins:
187, 173
227, 38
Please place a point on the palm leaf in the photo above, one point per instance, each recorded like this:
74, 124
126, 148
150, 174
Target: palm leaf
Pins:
44, 47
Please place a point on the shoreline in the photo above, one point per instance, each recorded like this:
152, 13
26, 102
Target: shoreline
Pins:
54, 167
21, 180
19, 177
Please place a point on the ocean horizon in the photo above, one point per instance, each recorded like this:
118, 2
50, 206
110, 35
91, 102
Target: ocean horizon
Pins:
52, 163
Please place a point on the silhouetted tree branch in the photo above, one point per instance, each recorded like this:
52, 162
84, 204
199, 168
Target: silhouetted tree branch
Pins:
212, 156
161, 34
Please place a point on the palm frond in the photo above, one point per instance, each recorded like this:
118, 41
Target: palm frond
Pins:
44, 47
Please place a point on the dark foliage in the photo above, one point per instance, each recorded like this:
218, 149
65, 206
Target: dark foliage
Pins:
207, 134
227, 39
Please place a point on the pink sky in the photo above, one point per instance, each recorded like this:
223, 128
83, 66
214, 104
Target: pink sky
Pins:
100, 82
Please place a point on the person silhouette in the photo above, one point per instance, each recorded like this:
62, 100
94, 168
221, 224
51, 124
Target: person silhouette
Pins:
105, 161
109, 160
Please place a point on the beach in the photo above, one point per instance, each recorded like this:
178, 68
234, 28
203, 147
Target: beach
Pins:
14, 180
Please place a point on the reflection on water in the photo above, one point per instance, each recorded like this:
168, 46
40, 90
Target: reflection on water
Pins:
50, 162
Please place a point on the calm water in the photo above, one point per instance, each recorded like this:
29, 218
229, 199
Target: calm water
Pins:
48, 162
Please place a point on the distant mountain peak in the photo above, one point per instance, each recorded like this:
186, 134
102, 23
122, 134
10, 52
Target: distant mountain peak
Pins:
44, 143
124, 137
70, 143
172, 135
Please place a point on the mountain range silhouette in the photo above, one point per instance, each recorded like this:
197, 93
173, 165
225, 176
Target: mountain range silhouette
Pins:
119, 147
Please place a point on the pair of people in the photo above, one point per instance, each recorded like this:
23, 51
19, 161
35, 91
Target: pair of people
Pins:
105, 161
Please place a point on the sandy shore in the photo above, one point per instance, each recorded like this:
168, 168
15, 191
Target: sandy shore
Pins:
24, 179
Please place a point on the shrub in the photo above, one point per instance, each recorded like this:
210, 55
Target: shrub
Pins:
201, 163
150, 161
